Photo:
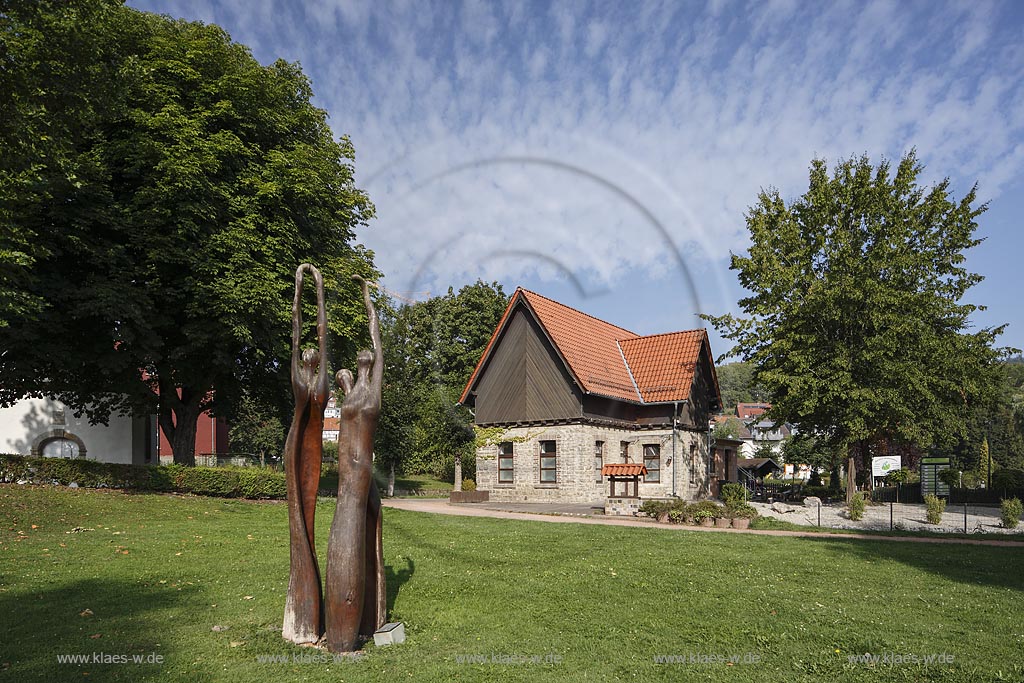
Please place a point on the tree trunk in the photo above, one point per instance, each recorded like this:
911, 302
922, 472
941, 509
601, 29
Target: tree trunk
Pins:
851, 479
178, 417
391, 480
458, 473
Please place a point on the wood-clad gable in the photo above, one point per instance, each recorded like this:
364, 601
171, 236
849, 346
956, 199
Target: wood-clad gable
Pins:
524, 379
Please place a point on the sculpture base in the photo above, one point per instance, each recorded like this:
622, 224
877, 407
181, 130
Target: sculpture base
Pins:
389, 634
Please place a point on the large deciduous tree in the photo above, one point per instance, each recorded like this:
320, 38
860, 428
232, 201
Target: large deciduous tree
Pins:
855, 323
431, 348
158, 187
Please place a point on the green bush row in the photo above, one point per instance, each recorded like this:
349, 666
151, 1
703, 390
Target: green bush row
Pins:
224, 482
679, 510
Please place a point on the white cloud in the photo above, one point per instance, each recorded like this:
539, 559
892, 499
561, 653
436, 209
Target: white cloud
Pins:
689, 113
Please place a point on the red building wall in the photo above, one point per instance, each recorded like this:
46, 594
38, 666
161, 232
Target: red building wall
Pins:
211, 437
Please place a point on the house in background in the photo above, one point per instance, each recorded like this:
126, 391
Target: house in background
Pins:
45, 427
755, 433
571, 393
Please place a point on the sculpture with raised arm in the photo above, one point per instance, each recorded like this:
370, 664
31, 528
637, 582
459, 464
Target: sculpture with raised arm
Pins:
355, 592
303, 454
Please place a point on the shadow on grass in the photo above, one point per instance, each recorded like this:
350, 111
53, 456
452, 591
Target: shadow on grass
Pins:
396, 579
963, 563
40, 626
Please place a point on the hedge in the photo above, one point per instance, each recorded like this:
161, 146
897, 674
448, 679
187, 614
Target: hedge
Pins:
224, 482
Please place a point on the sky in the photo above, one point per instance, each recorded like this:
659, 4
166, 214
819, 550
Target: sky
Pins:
605, 154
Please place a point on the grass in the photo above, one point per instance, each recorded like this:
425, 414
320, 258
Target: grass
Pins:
415, 484
159, 572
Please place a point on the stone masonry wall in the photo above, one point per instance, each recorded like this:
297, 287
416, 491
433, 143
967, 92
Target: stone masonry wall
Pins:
576, 472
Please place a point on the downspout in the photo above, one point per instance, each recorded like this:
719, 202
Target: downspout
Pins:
675, 413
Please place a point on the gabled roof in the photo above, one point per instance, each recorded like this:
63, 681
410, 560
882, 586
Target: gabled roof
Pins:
618, 469
663, 364
608, 360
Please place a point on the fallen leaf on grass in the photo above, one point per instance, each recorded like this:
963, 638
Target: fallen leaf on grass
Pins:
219, 628
237, 643
247, 597
85, 613
96, 635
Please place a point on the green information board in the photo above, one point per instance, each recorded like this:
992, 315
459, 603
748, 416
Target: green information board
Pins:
930, 482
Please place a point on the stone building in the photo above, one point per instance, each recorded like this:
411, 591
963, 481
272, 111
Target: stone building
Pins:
567, 393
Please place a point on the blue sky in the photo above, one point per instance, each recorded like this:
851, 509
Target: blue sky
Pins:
604, 154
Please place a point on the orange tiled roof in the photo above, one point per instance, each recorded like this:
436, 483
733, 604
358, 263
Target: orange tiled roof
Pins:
332, 424
588, 346
663, 364
623, 469
605, 359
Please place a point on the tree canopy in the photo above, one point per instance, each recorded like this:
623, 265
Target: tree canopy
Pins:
158, 188
855, 324
431, 349
736, 382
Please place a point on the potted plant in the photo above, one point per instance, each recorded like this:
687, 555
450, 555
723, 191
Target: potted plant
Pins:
704, 517
658, 509
722, 520
710, 510
742, 514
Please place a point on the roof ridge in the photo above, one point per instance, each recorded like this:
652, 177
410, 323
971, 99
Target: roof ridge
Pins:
665, 334
576, 310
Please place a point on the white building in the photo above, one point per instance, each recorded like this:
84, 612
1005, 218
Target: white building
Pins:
45, 427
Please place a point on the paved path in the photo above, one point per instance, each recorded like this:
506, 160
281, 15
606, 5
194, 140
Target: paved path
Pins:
443, 507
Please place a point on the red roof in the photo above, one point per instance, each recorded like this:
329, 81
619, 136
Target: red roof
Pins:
663, 364
746, 410
609, 360
623, 469
332, 424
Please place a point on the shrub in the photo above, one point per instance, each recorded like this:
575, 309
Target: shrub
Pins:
1008, 478
935, 506
247, 482
1011, 510
733, 494
897, 477
468, 485
743, 511
710, 507
261, 483
817, 491
856, 507
653, 508
676, 516
703, 514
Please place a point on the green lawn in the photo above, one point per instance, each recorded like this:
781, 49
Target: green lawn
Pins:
159, 572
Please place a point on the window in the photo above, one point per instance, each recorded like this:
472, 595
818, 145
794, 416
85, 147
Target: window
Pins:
598, 460
652, 461
624, 450
506, 473
548, 463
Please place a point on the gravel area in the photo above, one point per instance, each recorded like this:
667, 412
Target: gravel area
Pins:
905, 517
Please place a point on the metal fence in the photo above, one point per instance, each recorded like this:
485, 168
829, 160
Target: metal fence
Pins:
911, 493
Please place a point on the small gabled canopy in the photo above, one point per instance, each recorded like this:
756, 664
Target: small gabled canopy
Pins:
627, 469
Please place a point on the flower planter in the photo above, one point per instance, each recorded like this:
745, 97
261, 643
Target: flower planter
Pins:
741, 523
707, 521
723, 522
662, 517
